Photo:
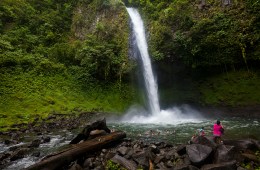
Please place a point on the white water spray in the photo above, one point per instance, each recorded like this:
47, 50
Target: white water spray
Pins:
150, 83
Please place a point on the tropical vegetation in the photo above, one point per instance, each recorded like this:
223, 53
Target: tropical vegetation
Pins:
69, 56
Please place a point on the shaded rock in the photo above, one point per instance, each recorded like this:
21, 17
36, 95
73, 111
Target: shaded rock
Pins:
208, 141
158, 159
221, 166
97, 164
181, 150
161, 166
75, 166
109, 155
154, 149
149, 154
46, 139
130, 165
251, 157
36, 154
169, 164
4, 155
122, 150
170, 155
92, 130
129, 154
88, 162
10, 142
179, 162
7, 142
242, 144
257, 143
224, 153
198, 154
19, 154
141, 159
186, 160
35, 143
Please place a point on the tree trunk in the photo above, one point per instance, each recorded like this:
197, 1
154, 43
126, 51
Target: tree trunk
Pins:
62, 158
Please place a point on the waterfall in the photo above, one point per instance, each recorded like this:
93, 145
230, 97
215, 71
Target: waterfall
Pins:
150, 83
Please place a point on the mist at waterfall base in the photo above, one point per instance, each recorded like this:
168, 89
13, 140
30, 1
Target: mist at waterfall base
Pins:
174, 115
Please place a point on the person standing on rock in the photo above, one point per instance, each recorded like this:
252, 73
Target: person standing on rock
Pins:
218, 131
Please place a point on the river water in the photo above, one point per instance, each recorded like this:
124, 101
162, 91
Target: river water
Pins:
177, 133
235, 128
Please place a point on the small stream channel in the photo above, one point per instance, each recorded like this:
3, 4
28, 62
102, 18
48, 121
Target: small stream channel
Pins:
235, 128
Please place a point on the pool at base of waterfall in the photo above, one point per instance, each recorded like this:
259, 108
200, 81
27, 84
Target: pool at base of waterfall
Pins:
181, 132
177, 133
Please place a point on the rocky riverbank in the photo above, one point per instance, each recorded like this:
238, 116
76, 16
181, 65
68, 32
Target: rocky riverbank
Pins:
202, 153
23, 139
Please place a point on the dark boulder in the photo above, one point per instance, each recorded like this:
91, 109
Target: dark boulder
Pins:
181, 150
35, 143
224, 153
46, 139
86, 132
245, 144
122, 150
141, 159
199, 154
19, 154
208, 141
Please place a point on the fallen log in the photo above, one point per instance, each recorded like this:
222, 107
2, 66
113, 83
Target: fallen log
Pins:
62, 158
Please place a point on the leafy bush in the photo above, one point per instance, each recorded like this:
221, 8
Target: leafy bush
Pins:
113, 166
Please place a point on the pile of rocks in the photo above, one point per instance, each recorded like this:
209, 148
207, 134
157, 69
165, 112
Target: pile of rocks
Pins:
202, 153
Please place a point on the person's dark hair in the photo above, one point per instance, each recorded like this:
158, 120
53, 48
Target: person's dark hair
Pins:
218, 122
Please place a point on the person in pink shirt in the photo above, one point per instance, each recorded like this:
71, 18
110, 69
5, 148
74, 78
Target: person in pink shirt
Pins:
218, 131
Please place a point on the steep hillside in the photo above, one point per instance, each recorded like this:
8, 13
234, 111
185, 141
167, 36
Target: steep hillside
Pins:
62, 57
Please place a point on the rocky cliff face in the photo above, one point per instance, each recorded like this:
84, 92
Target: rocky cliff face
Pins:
100, 18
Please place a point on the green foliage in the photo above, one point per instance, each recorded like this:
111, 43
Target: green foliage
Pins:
113, 166
65, 53
201, 36
100, 58
26, 94
104, 51
45, 68
58, 55
232, 89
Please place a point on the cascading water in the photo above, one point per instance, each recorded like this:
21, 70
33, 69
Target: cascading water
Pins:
156, 115
150, 83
